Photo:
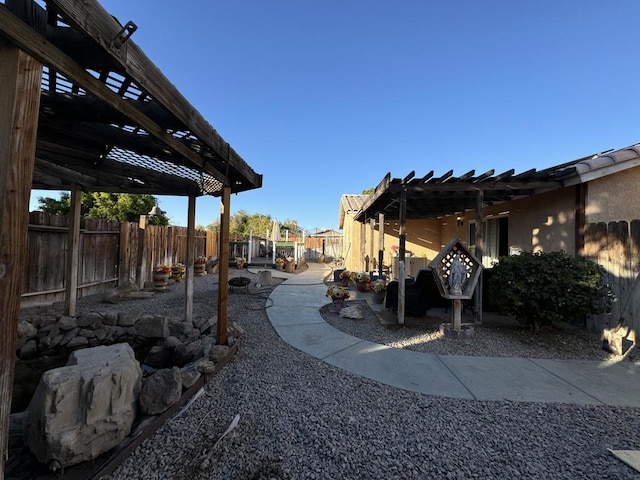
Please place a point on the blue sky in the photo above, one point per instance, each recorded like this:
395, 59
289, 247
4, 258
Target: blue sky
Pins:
324, 98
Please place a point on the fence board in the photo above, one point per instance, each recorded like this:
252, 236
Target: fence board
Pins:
615, 246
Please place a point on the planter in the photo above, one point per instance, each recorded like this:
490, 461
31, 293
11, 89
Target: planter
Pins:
378, 297
199, 269
337, 304
239, 264
361, 286
160, 280
345, 282
177, 273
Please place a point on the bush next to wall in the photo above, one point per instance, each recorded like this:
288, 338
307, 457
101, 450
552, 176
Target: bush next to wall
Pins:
540, 288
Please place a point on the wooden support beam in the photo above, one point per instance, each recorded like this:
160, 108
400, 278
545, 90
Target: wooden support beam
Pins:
22, 36
478, 254
380, 243
98, 24
191, 252
141, 267
73, 251
20, 77
402, 223
363, 246
223, 266
372, 231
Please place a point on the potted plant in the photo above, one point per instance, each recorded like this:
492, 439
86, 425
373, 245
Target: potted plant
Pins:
161, 275
200, 266
379, 288
240, 261
280, 263
362, 280
338, 295
177, 272
345, 277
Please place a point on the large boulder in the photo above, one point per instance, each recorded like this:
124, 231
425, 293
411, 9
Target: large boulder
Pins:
85, 408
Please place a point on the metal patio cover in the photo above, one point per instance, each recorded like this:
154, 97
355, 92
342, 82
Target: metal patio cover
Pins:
109, 120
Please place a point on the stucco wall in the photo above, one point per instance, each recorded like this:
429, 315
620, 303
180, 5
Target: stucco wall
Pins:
614, 197
544, 222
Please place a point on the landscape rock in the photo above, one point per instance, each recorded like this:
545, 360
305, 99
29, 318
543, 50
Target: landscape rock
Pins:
77, 342
160, 391
153, 326
204, 324
187, 353
81, 410
159, 357
218, 353
189, 378
25, 329
127, 319
67, 323
29, 349
89, 320
351, 312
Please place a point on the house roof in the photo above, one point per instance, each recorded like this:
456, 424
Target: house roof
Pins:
432, 197
350, 204
109, 120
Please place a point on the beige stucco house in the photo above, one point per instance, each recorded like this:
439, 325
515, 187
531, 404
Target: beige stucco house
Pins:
573, 207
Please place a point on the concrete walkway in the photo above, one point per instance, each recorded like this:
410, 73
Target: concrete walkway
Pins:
296, 318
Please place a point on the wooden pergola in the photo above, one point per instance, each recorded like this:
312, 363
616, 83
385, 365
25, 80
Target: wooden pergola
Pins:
83, 109
431, 196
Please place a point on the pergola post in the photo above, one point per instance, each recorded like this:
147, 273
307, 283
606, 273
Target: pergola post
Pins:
20, 78
363, 246
372, 230
191, 250
223, 266
477, 304
402, 221
380, 243
73, 251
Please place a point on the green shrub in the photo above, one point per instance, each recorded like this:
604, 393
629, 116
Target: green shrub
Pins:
540, 288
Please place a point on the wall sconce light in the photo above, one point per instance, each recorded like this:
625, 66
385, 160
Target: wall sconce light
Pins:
460, 220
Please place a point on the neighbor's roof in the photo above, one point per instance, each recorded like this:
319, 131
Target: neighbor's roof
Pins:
433, 197
109, 119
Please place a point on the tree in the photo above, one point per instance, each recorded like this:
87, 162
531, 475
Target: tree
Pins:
292, 226
123, 207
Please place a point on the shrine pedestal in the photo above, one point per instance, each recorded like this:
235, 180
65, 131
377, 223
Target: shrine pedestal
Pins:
466, 331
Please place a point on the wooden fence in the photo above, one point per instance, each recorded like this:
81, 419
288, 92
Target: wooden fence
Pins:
109, 252
616, 247
47, 247
112, 253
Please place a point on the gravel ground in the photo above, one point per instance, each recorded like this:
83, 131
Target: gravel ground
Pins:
496, 337
303, 419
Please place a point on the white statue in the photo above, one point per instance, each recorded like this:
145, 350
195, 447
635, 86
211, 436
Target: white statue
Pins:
457, 276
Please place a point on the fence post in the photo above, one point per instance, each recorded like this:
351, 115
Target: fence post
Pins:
141, 268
